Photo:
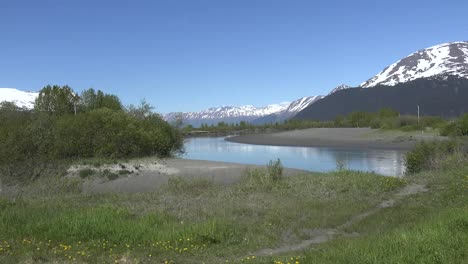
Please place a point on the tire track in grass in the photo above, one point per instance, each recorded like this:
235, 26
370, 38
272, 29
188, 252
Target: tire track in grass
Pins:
322, 235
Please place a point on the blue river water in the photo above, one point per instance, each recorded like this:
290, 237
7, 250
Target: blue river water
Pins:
385, 162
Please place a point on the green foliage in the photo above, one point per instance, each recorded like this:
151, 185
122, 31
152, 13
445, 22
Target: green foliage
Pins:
124, 172
385, 118
359, 119
438, 239
116, 134
111, 176
141, 111
85, 173
266, 178
387, 113
11, 107
457, 127
425, 155
31, 141
57, 100
275, 170
91, 100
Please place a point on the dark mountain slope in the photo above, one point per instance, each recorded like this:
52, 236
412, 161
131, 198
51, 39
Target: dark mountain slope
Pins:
445, 96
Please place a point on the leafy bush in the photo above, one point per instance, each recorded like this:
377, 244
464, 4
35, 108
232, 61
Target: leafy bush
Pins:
275, 170
110, 175
457, 127
124, 172
427, 155
85, 173
450, 129
263, 178
31, 140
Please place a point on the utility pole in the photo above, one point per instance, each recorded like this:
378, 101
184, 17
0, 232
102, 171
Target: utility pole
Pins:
418, 115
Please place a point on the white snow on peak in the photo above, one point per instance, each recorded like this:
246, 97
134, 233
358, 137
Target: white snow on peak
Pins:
20, 98
300, 104
443, 59
339, 88
231, 112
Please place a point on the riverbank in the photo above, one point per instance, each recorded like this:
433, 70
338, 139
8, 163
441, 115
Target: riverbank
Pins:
149, 174
339, 138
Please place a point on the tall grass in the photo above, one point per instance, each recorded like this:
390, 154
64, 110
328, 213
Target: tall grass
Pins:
220, 222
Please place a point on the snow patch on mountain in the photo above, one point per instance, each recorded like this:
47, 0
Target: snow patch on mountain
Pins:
20, 98
229, 114
290, 111
301, 103
339, 88
444, 59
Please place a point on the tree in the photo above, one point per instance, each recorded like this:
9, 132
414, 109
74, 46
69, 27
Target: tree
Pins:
179, 121
141, 111
112, 102
90, 100
57, 100
9, 107
387, 113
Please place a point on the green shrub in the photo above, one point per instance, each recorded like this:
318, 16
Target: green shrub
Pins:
450, 129
84, 173
30, 141
457, 127
275, 170
426, 155
431, 121
407, 121
110, 175
376, 123
124, 172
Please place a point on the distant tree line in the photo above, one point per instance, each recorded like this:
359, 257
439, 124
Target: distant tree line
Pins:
385, 118
64, 125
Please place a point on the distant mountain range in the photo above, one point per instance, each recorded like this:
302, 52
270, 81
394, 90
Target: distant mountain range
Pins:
290, 111
434, 78
255, 115
227, 114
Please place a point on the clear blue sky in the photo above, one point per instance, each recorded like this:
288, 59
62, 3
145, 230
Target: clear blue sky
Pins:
193, 54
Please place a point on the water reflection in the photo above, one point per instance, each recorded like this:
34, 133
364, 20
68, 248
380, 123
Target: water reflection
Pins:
386, 162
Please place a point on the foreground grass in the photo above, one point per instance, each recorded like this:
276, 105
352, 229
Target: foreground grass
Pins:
430, 227
187, 221
200, 222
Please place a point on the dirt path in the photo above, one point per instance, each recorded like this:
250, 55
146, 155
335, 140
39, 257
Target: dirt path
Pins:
318, 236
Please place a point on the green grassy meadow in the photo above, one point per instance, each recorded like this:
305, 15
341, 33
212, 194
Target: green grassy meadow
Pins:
197, 221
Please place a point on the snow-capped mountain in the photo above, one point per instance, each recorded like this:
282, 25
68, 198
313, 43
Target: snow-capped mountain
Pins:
227, 114
20, 98
299, 104
440, 60
290, 111
339, 88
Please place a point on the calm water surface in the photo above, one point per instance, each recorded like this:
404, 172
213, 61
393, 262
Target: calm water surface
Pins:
386, 162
